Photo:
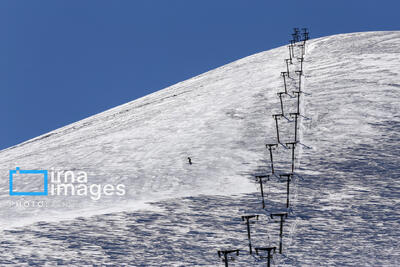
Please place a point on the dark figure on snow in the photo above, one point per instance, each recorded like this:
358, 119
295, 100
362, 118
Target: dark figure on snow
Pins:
190, 160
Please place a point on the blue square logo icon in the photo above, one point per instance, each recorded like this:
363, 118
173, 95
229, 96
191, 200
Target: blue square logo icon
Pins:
35, 178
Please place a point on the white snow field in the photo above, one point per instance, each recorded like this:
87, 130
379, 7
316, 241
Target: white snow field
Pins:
345, 192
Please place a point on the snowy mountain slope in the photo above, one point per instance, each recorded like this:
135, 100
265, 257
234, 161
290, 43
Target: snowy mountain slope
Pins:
215, 118
345, 192
352, 125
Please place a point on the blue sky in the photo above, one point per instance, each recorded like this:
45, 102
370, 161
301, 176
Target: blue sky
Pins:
62, 61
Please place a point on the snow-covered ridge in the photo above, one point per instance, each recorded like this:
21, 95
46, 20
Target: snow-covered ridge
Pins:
222, 120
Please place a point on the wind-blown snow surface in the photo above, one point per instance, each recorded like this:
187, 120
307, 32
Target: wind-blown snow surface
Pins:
345, 194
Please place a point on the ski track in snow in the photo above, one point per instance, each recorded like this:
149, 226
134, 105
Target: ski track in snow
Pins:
345, 193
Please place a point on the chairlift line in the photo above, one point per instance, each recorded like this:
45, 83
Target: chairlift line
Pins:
298, 35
